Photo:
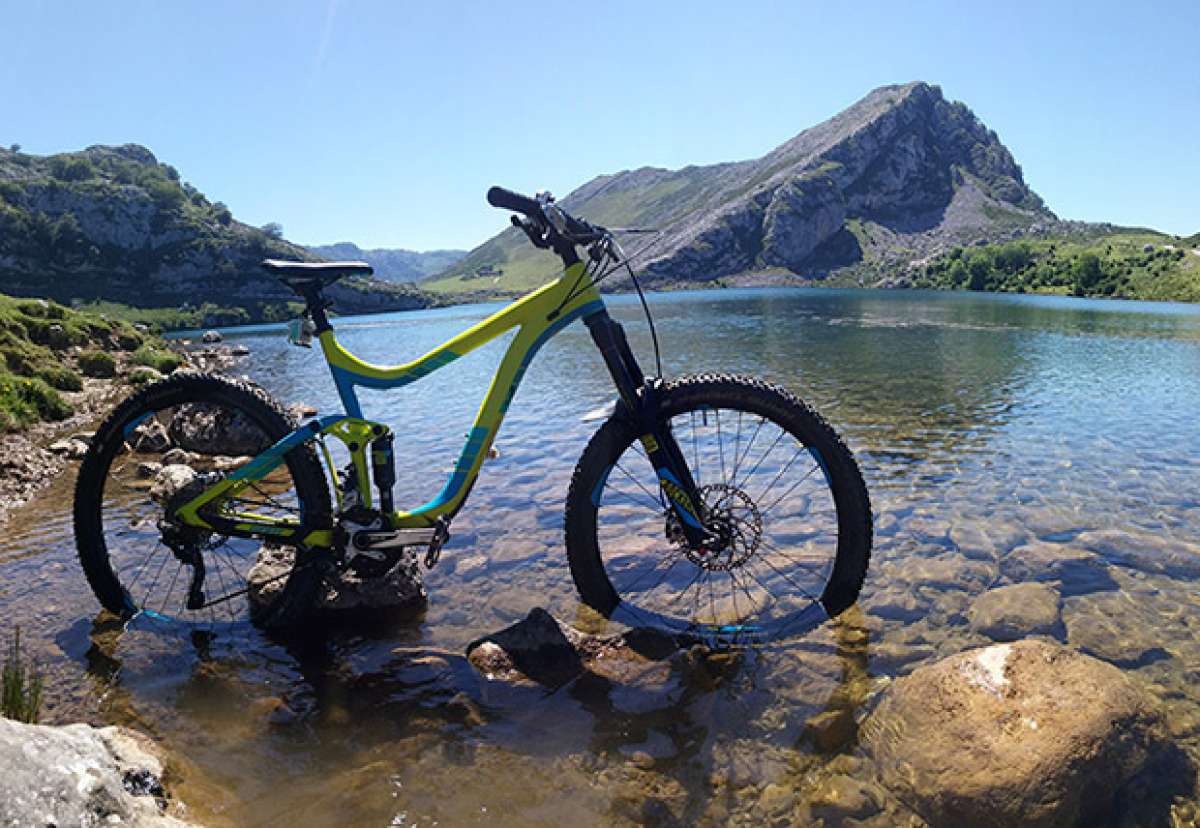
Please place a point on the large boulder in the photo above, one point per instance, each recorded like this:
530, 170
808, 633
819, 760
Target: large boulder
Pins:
1028, 733
80, 775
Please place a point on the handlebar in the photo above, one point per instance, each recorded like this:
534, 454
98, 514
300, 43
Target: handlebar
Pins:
546, 224
508, 200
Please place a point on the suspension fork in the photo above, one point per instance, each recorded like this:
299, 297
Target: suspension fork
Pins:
639, 397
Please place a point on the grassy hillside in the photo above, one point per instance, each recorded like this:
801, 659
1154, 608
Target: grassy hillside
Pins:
1121, 262
47, 349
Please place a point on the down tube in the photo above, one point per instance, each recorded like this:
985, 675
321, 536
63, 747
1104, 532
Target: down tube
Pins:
491, 414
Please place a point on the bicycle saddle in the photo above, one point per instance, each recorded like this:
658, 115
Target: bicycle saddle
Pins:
305, 273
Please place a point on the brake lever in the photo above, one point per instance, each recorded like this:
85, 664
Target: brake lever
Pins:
536, 237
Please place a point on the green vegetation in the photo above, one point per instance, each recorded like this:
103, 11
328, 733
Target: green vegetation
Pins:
25, 401
44, 349
159, 359
20, 686
1128, 264
97, 364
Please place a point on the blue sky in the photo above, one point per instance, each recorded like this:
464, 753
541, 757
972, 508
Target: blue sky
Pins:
384, 123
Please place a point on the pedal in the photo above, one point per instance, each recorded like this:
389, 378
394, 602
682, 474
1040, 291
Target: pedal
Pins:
441, 535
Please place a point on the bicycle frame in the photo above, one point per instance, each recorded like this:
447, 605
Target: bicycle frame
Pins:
538, 317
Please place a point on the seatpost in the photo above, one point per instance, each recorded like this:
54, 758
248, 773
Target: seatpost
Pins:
315, 306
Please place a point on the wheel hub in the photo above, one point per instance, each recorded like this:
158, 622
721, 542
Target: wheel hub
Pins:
734, 525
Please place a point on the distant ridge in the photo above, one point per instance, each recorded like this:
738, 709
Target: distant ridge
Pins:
393, 264
901, 174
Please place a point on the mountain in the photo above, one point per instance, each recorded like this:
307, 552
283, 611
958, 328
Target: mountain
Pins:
111, 223
900, 175
393, 265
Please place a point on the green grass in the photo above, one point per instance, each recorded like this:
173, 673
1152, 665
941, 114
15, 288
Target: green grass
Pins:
97, 364
20, 685
28, 400
159, 359
40, 356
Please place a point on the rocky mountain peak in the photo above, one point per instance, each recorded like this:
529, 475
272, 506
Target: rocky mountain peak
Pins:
902, 171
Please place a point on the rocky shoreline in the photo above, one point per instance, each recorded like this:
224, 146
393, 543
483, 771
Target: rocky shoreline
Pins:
31, 459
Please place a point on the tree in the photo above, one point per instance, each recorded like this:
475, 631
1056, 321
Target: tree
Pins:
980, 268
1087, 271
14, 148
273, 229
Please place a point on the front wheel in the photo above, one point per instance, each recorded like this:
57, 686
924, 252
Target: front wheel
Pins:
782, 495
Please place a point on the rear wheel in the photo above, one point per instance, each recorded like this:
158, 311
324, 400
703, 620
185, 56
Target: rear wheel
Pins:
157, 451
783, 498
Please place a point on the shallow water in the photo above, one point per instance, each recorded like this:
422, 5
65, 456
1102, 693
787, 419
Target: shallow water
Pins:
987, 426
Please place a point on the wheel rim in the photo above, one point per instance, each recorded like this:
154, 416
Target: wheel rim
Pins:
769, 503
168, 571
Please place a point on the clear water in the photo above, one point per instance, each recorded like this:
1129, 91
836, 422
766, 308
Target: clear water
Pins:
986, 426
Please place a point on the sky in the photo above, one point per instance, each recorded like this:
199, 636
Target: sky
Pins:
384, 123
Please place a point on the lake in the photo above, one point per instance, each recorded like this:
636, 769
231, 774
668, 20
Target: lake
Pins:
991, 429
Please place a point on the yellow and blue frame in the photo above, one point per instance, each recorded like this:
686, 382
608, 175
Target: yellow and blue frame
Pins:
537, 317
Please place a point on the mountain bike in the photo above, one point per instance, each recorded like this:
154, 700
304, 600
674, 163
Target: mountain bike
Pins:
709, 505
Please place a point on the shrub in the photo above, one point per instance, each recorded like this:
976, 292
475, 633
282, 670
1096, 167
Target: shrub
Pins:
143, 375
67, 168
162, 361
97, 364
61, 377
273, 230
20, 686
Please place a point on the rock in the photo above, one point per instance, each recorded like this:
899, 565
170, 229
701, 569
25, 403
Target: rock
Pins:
70, 447
1077, 570
1114, 626
841, 797
342, 591
80, 775
169, 481
84, 436
179, 456
1026, 733
831, 730
211, 337
239, 350
143, 375
148, 469
150, 436
1144, 551
302, 411
214, 429
542, 650
1008, 613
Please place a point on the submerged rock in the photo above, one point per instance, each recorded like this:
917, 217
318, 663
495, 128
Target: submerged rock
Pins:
80, 775
400, 589
542, 650
1028, 733
1012, 612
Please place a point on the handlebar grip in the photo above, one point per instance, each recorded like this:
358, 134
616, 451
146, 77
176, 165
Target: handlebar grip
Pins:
508, 200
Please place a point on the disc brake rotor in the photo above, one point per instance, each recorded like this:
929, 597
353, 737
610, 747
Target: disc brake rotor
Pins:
734, 523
